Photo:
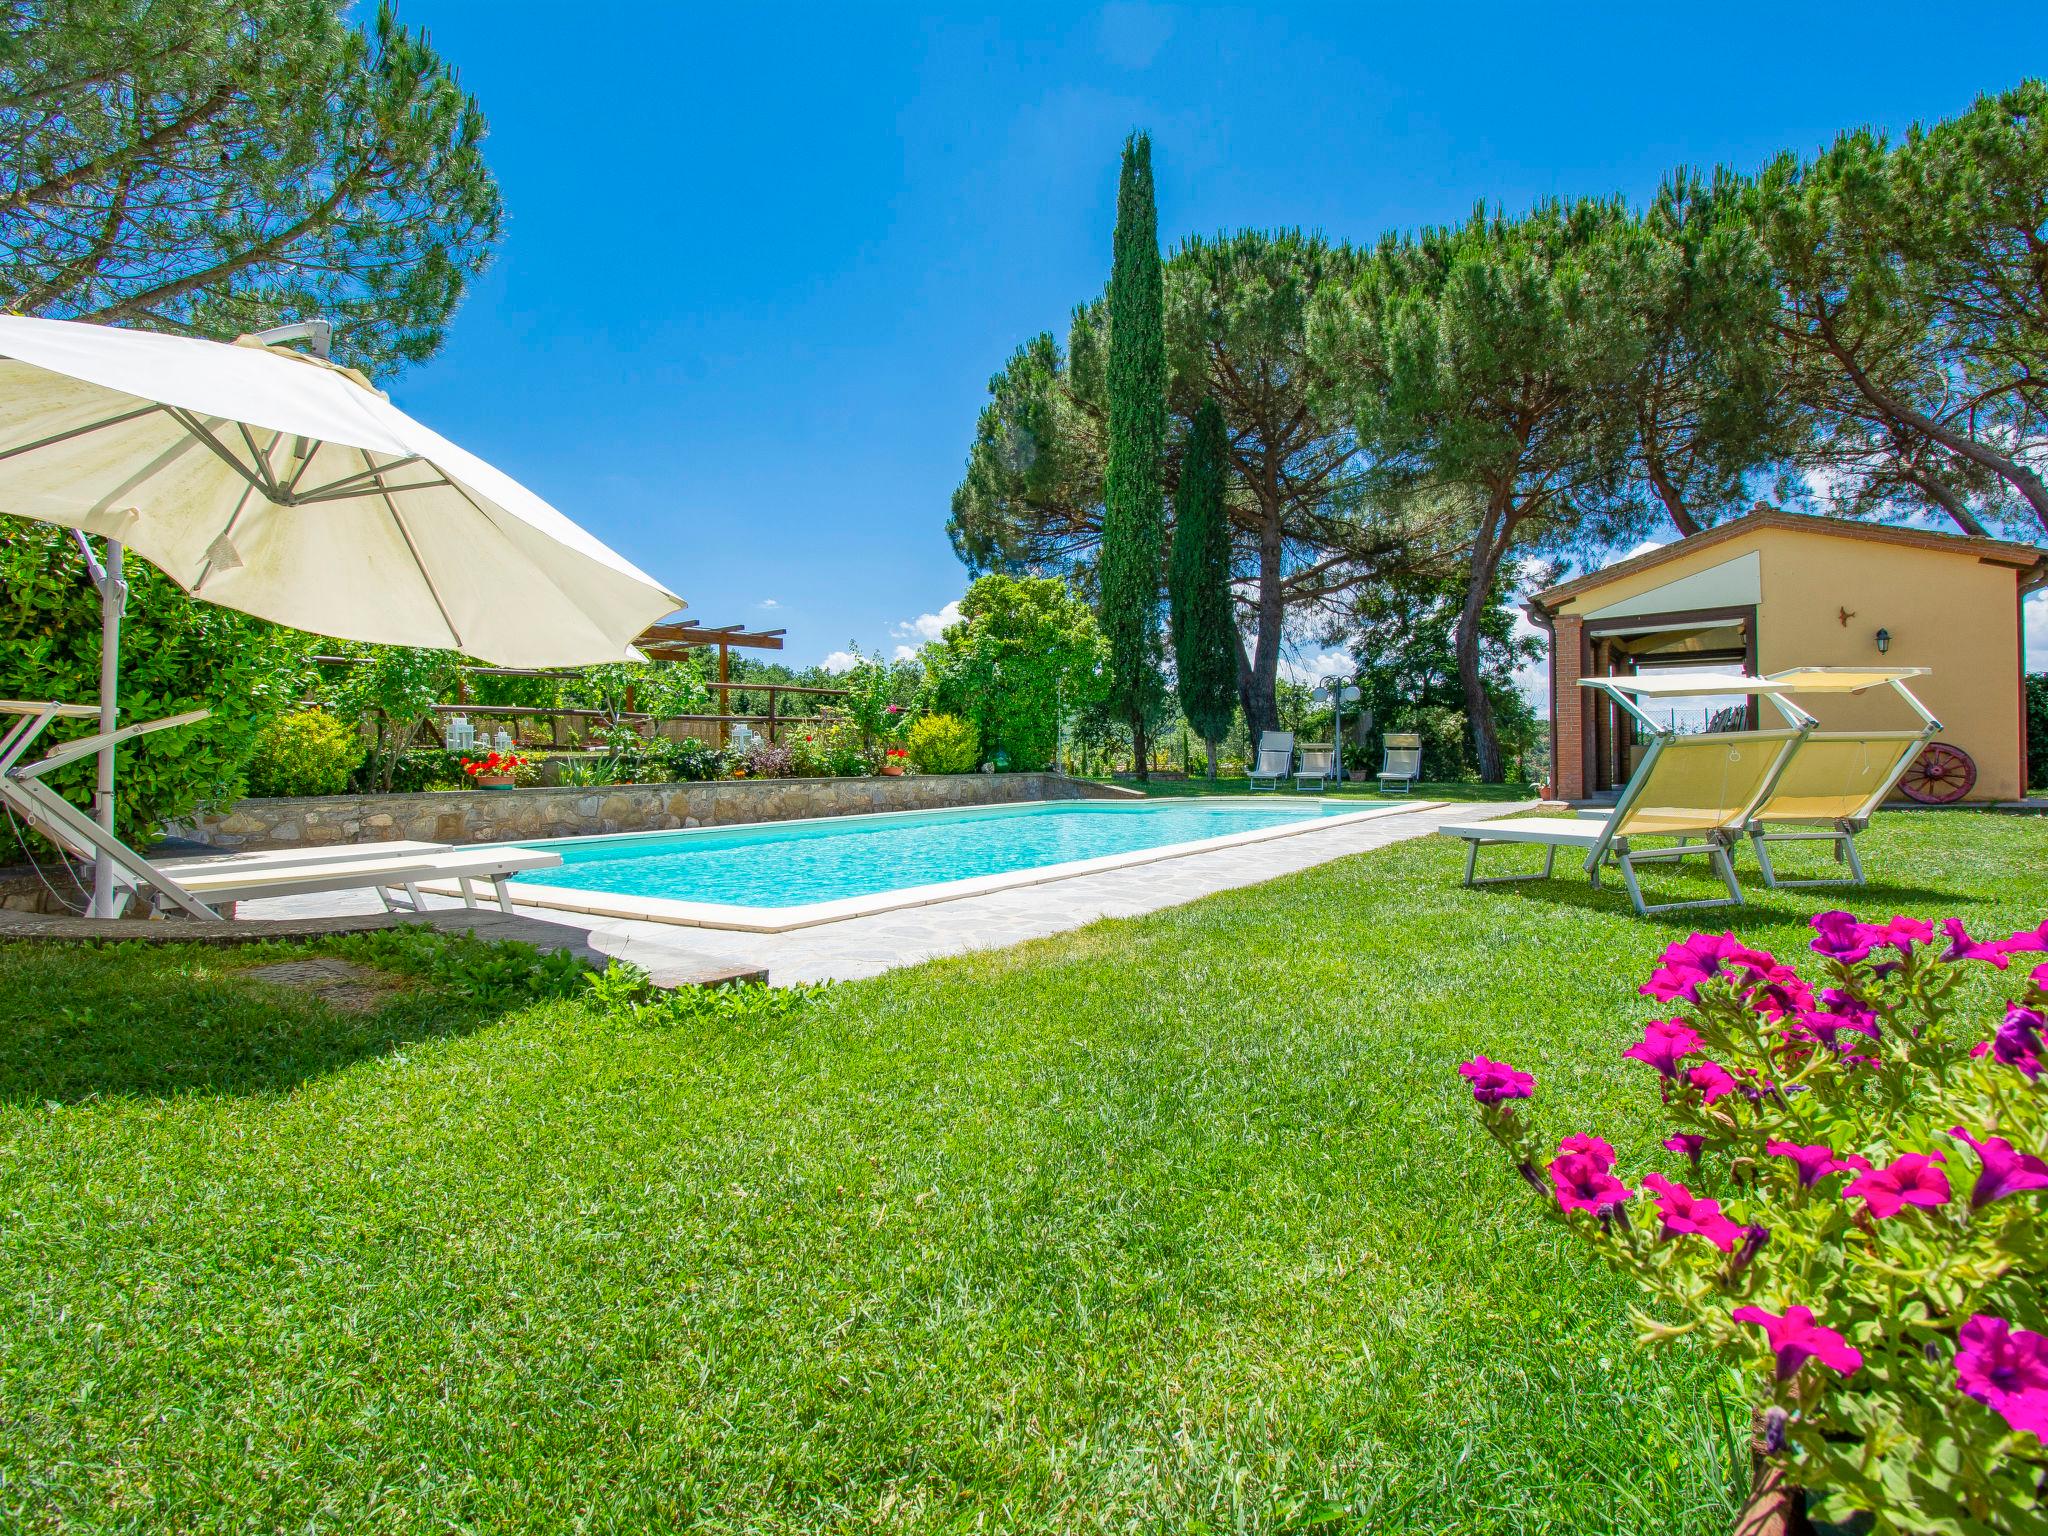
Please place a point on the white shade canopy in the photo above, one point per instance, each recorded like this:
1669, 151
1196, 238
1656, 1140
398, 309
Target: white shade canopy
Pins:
276, 483
1840, 679
1678, 685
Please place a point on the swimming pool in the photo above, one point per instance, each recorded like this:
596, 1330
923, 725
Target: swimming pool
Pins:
779, 875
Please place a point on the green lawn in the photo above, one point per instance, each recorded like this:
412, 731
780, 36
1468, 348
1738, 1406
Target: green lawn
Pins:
1168, 788
1174, 1224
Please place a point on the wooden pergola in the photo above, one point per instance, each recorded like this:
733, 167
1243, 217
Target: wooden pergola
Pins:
669, 641
673, 640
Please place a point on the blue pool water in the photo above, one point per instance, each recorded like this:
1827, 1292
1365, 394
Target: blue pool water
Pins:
794, 863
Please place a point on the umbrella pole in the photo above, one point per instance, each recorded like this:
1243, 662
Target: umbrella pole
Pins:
113, 598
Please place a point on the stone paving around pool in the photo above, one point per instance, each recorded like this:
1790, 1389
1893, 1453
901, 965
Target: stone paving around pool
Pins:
867, 946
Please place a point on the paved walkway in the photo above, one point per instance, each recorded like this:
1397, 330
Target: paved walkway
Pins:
867, 946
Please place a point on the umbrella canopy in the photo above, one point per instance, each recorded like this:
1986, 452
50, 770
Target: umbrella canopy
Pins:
285, 486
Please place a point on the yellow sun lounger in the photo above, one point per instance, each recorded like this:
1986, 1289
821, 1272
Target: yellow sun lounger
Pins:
1700, 792
1837, 779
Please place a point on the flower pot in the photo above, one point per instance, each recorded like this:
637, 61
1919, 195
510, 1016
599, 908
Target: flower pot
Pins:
494, 781
892, 770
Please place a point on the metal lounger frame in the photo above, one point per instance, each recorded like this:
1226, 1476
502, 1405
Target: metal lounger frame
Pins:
1714, 842
57, 819
54, 817
1844, 830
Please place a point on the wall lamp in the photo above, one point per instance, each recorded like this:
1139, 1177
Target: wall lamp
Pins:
1884, 641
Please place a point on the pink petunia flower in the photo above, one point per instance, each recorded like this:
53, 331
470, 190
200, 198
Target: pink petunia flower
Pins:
1780, 992
1684, 1212
1688, 1143
1665, 1042
1494, 1081
1900, 933
1682, 967
2007, 1171
1962, 947
1814, 1163
1909, 1179
2027, 940
1583, 1183
1591, 1146
1712, 1079
1796, 1338
2018, 1040
2006, 1369
1839, 936
1839, 1011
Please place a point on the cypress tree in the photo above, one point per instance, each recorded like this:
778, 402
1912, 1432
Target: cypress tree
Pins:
1133, 514
1198, 584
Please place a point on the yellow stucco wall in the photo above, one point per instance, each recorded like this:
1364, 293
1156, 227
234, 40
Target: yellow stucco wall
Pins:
1947, 611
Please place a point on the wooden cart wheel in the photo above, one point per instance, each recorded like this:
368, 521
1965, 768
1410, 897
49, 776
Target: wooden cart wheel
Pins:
1940, 775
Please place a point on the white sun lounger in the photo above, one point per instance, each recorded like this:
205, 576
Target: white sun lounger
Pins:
1275, 760
198, 886
1401, 763
216, 882
1317, 769
1705, 787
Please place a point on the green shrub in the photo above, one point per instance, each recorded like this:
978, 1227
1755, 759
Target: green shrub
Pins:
304, 753
688, 761
415, 770
624, 993
486, 970
177, 654
944, 744
2037, 730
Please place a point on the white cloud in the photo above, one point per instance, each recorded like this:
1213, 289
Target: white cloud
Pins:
904, 653
1307, 668
2035, 615
838, 661
768, 602
927, 627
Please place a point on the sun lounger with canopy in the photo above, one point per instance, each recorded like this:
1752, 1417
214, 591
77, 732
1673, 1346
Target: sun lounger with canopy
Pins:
1700, 791
1837, 779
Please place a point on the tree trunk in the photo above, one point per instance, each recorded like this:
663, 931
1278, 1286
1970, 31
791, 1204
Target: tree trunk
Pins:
1938, 491
1141, 764
1209, 746
1674, 504
1489, 543
1259, 684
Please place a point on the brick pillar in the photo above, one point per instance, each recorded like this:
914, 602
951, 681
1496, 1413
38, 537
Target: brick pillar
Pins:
1567, 709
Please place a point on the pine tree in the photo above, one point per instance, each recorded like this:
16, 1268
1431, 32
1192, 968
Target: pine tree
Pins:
1133, 516
1205, 646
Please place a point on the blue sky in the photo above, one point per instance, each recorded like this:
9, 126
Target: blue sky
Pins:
760, 262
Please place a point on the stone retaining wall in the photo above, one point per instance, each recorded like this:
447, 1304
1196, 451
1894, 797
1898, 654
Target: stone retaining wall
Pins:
509, 815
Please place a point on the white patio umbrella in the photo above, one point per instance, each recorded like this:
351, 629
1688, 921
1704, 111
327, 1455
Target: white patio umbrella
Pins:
275, 482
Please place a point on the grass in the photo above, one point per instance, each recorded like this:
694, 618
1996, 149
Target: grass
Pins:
1197, 786
1180, 1223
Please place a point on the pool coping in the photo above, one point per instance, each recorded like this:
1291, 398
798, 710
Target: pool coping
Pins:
726, 915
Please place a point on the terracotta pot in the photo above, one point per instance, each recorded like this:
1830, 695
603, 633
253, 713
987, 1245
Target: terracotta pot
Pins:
892, 770
494, 781
1775, 1506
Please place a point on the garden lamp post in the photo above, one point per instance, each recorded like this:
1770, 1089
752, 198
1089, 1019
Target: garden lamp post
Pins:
1338, 691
